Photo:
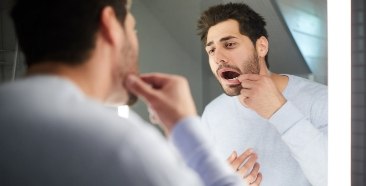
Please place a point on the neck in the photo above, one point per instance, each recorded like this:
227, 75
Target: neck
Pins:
279, 80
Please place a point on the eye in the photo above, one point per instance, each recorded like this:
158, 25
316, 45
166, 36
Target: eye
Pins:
211, 51
230, 45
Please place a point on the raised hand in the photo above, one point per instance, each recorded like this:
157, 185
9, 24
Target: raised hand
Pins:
168, 97
246, 166
260, 93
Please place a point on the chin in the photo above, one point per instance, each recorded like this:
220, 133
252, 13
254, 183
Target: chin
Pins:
232, 91
132, 99
118, 100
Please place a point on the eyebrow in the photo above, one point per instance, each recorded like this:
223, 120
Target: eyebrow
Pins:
221, 40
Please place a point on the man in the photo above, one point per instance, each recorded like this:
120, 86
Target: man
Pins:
55, 130
281, 118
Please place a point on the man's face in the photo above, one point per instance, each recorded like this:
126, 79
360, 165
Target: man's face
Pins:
230, 55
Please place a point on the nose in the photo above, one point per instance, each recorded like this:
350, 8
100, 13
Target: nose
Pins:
220, 57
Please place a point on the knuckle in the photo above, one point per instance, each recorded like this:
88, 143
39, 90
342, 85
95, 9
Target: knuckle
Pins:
257, 165
250, 177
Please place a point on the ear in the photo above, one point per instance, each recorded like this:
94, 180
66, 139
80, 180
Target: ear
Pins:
262, 46
110, 27
262, 50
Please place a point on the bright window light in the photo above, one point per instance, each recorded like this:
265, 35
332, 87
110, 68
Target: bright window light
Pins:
123, 111
339, 86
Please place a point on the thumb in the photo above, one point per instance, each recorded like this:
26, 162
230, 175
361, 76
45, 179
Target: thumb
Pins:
139, 87
263, 70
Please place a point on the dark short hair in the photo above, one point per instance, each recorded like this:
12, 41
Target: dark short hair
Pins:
60, 30
251, 24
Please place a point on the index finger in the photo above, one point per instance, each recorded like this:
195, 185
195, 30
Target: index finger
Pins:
139, 87
240, 159
157, 80
252, 77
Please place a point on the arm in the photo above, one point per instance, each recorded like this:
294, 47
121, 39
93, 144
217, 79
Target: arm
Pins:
308, 144
196, 151
170, 99
245, 164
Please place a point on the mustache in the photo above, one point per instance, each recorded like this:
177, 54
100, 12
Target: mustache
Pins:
221, 66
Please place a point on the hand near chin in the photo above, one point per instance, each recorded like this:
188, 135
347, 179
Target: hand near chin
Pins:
168, 97
260, 93
246, 166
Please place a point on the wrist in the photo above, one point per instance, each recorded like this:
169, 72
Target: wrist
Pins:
278, 107
182, 118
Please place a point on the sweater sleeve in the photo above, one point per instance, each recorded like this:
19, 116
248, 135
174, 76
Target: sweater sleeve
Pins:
307, 143
198, 153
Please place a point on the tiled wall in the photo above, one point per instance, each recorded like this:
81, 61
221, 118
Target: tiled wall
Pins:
358, 93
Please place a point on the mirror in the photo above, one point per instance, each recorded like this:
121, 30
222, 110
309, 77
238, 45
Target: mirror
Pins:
169, 44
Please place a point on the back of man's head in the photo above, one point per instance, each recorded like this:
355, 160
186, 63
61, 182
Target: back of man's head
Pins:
61, 31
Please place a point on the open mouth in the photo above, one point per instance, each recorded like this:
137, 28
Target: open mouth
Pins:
229, 75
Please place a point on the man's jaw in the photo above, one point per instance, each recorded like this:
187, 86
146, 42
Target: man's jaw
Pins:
132, 99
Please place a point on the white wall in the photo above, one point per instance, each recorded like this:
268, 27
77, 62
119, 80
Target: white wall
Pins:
160, 52
307, 22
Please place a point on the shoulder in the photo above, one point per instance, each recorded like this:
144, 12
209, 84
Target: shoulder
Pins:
307, 89
306, 83
60, 109
309, 97
79, 134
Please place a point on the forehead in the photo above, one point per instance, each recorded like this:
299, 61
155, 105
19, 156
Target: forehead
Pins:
223, 29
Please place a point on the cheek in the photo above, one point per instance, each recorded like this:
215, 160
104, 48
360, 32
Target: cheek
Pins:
242, 58
213, 66
240, 54
133, 40
134, 49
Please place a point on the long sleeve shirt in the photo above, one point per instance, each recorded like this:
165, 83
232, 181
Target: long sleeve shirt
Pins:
52, 134
291, 145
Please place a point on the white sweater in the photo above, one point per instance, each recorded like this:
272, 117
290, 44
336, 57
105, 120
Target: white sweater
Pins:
291, 145
53, 134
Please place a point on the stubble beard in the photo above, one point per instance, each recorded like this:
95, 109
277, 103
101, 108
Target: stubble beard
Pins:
251, 66
130, 67
132, 98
